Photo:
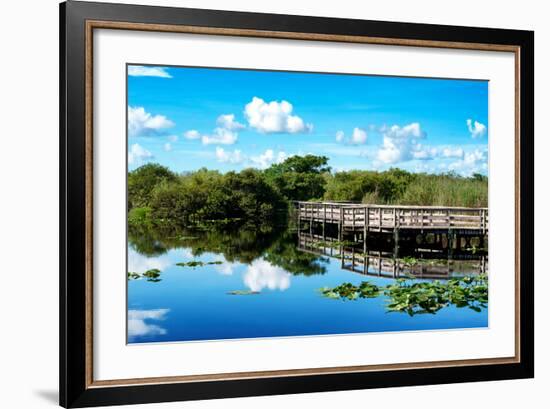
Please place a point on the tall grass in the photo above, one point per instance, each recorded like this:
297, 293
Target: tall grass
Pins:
400, 187
433, 190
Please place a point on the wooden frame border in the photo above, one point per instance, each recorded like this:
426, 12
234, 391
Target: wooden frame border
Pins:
521, 360
98, 24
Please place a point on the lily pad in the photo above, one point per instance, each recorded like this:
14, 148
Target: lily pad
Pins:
243, 292
196, 263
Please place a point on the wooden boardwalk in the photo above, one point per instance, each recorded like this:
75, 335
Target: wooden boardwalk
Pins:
385, 218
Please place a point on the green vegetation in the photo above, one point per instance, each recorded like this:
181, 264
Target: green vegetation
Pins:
425, 297
397, 186
195, 263
151, 275
242, 245
161, 198
243, 292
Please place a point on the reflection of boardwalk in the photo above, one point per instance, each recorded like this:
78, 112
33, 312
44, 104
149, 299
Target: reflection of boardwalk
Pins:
384, 264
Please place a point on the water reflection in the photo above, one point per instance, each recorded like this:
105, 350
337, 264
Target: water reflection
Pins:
384, 263
196, 298
262, 274
139, 326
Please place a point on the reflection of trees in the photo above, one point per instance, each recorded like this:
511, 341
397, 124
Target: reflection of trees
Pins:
235, 244
153, 242
285, 254
277, 245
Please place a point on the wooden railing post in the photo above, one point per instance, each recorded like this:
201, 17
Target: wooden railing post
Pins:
365, 228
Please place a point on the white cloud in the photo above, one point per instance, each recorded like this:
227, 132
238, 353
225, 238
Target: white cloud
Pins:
274, 117
192, 134
340, 136
142, 71
173, 138
452, 152
167, 147
262, 161
400, 143
138, 327
138, 155
142, 123
477, 129
420, 152
220, 136
475, 161
267, 158
234, 157
227, 121
475, 157
262, 274
359, 136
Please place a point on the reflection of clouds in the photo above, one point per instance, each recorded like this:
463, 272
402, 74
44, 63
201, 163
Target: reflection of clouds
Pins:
261, 274
137, 327
140, 263
186, 253
226, 268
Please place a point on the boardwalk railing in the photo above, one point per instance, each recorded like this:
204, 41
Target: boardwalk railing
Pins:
389, 218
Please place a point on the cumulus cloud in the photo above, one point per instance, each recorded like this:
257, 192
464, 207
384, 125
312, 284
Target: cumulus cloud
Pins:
138, 155
143, 71
224, 134
262, 160
138, 325
475, 161
234, 157
359, 136
142, 123
227, 121
450, 152
400, 143
220, 136
262, 274
192, 134
274, 117
340, 136
476, 129
167, 147
268, 158
420, 152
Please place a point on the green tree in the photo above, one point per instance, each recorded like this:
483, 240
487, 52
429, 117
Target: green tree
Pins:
143, 180
299, 177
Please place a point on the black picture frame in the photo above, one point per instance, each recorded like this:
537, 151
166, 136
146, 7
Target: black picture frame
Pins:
75, 387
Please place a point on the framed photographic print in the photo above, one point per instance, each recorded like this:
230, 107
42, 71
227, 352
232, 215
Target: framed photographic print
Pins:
256, 204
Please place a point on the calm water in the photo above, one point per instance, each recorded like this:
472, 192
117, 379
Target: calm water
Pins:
193, 303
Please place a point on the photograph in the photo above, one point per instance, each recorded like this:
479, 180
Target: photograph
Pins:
265, 203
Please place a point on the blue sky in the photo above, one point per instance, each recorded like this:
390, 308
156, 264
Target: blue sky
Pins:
188, 118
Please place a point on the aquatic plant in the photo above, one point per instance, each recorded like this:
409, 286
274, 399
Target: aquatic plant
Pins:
409, 261
425, 297
243, 292
152, 275
197, 263
351, 292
